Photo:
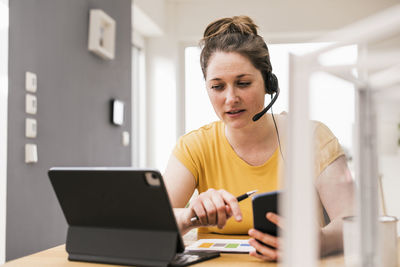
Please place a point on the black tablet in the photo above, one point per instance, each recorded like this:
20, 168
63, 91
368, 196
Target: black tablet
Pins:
119, 216
262, 204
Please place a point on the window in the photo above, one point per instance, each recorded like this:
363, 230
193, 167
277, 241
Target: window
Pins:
198, 109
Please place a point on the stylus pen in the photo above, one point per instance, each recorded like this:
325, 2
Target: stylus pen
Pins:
239, 198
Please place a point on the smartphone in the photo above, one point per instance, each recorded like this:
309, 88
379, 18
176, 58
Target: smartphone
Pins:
263, 203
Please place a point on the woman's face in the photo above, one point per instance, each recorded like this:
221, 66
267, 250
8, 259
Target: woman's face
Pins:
235, 87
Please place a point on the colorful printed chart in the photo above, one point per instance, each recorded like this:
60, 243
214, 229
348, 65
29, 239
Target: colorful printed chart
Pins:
222, 245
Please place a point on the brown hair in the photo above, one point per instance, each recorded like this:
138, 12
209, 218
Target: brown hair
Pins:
238, 34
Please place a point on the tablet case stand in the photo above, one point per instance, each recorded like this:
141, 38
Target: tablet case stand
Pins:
127, 222
127, 246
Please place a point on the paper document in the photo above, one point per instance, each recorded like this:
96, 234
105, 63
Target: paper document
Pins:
222, 245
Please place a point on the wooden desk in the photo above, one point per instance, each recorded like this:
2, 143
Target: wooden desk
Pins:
57, 256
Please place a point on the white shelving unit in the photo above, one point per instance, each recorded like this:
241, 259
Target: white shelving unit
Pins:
375, 73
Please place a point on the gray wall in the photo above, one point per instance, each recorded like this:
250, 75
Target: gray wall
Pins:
49, 38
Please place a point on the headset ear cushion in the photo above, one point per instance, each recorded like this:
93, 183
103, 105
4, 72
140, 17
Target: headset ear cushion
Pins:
271, 83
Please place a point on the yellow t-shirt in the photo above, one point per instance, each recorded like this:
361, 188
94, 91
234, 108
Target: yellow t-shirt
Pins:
207, 154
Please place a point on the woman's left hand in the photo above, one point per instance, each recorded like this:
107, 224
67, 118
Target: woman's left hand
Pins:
264, 252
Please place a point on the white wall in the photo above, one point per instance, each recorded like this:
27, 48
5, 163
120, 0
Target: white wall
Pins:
185, 21
154, 9
3, 122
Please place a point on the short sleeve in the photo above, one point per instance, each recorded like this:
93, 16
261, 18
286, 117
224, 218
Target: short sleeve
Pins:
186, 151
327, 147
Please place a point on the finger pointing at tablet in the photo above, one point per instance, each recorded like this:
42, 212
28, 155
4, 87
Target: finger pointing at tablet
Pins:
215, 207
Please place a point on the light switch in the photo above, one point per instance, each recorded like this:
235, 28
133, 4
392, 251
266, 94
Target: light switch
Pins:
30, 128
31, 155
30, 104
30, 82
117, 112
125, 138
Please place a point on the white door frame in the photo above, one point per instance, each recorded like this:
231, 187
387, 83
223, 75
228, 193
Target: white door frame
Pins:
4, 22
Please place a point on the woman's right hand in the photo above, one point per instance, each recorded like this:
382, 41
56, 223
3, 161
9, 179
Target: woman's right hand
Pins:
214, 208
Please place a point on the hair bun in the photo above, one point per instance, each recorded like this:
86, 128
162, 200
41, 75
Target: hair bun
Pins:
237, 24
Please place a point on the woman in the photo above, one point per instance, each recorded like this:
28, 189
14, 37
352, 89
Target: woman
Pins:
236, 154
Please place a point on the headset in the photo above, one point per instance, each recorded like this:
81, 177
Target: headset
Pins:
272, 88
